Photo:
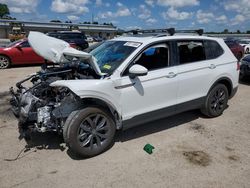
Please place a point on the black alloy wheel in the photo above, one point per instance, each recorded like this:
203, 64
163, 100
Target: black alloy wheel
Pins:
90, 131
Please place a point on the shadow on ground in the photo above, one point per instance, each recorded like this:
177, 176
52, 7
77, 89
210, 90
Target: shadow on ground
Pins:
157, 126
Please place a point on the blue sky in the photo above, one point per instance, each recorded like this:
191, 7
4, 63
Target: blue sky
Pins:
213, 15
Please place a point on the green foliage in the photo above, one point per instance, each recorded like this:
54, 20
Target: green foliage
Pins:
4, 10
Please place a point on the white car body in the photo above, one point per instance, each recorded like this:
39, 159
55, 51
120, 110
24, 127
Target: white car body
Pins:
161, 88
175, 88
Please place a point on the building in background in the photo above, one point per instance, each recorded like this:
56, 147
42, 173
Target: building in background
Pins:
95, 30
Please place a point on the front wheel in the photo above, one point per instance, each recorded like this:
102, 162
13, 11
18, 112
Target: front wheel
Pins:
90, 131
216, 101
4, 62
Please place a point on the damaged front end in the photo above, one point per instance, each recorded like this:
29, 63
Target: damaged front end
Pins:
41, 107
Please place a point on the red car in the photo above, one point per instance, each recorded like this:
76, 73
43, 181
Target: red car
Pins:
236, 48
18, 53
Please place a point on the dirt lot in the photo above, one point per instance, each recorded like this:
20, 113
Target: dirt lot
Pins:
190, 151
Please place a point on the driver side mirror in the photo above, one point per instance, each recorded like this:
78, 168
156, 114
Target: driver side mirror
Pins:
137, 70
19, 47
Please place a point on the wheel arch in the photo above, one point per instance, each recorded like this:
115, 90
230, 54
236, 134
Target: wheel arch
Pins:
225, 81
94, 101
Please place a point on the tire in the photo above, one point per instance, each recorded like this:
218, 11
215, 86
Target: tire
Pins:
247, 51
89, 132
4, 62
241, 76
216, 101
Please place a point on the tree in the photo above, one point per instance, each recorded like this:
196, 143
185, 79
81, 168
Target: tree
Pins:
56, 21
225, 31
4, 10
238, 32
248, 31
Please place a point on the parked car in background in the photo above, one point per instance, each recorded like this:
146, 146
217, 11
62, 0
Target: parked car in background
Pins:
235, 47
76, 39
89, 38
245, 67
98, 39
19, 53
93, 46
245, 43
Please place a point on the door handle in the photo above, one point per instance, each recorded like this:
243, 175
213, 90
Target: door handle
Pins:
212, 66
171, 75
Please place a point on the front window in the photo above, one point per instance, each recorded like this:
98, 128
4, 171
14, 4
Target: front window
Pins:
111, 54
14, 43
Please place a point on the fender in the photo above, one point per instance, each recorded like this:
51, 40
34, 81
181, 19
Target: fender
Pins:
101, 89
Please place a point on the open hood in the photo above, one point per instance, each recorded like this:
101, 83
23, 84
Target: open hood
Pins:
56, 50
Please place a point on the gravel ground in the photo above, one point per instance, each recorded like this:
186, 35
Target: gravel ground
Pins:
190, 151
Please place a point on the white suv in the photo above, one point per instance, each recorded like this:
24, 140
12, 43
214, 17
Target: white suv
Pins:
124, 82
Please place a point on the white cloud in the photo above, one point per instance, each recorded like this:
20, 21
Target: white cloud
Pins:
238, 19
73, 18
178, 3
98, 3
204, 17
221, 19
121, 12
106, 15
119, 4
150, 2
69, 6
240, 6
144, 13
151, 21
174, 14
21, 6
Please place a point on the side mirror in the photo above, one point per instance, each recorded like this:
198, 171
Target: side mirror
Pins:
19, 47
137, 70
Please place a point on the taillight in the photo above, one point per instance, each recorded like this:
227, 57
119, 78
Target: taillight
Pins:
238, 65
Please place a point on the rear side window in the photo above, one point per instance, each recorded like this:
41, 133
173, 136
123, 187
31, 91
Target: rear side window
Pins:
213, 49
191, 51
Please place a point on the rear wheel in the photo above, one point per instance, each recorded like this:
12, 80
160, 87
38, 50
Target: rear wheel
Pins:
89, 131
4, 62
216, 101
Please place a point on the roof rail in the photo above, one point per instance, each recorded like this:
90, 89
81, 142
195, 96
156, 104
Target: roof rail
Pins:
159, 32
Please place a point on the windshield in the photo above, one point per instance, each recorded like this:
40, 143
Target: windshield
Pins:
13, 43
111, 54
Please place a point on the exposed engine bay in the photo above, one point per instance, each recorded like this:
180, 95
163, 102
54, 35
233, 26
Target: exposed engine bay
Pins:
44, 108
40, 107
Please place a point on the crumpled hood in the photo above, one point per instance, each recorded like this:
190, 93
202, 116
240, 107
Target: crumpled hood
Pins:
55, 50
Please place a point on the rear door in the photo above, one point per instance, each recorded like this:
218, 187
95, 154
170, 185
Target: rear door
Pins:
194, 71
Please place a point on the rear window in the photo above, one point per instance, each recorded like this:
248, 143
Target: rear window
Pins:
213, 49
191, 51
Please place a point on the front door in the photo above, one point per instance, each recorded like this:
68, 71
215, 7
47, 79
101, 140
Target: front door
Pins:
149, 96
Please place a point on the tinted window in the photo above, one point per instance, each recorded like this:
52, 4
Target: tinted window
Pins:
25, 44
154, 57
230, 44
213, 49
191, 51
